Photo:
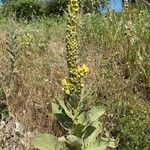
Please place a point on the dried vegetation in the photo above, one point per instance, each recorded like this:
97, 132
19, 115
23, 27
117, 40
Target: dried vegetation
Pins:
32, 65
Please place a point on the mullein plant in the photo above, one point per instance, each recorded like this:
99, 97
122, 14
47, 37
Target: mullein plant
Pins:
83, 125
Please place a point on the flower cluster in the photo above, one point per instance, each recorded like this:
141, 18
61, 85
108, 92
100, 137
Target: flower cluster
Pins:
83, 70
66, 86
74, 83
75, 86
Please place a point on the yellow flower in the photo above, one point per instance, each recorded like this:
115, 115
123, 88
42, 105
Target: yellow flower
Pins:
79, 69
67, 91
76, 8
75, 5
85, 68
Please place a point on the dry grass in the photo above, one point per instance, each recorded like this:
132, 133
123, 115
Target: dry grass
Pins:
41, 65
34, 83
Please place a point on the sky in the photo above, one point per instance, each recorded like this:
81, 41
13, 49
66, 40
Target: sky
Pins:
115, 5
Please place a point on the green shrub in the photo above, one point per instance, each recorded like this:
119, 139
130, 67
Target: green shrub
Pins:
90, 5
24, 9
132, 124
28, 9
127, 96
59, 6
56, 7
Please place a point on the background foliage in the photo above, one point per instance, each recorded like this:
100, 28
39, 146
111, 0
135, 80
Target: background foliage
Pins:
28, 9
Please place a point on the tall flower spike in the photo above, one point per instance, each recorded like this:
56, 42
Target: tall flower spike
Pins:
75, 72
72, 44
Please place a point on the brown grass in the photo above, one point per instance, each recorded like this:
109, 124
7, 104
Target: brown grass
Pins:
35, 80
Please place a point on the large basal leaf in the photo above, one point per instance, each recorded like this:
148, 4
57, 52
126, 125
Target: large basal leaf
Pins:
113, 143
93, 141
101, 145
91, 133
48, 142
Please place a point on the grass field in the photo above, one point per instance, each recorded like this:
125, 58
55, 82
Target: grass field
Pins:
115, 46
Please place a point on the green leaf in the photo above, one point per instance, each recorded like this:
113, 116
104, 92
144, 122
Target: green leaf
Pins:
48, 142
77, 131
61, 115
100, 145
90, 116
88, 131
67, 110
82, 119
111, 142
91, 132
95, 113
65, 121
55, 108
74, 143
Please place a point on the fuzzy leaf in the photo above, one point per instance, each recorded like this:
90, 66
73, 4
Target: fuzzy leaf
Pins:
74, 143
77, 131
91, 137
90, 116
82, 119
67, 110
64, 121
48, 142
100, 145
63, 118
55, 108
95, 113
111, 142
